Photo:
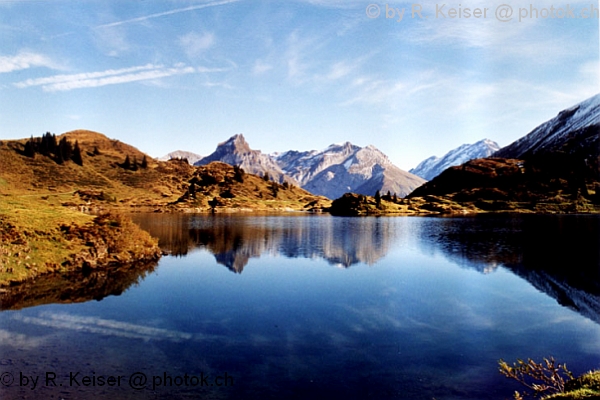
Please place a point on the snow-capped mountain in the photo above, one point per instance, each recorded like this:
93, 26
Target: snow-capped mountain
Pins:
433, 166
236, 151
342, 168
338, 169
180, 154
575, 129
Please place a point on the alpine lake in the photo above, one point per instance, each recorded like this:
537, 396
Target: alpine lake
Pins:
298, 306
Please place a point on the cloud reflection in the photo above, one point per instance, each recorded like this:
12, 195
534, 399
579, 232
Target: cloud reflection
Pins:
103, 326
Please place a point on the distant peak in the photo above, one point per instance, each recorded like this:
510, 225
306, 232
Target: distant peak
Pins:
239, 138
237, 142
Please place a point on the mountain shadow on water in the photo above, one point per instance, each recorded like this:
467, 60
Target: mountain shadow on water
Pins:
558, 255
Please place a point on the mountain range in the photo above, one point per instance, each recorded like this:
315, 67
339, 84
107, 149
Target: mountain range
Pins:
181, 155
433, 166
573, 131
555, 168
338, 169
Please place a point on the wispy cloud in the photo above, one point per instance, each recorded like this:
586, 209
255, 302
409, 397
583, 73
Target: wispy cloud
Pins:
260, 67
111, 77
195, 44
25, 60
170, 12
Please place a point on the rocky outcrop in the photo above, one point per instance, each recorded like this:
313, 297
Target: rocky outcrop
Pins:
111, 239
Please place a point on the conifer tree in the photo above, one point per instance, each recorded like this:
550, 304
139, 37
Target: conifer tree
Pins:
377, 198
64, 151
76, 157
29, 150
127, 163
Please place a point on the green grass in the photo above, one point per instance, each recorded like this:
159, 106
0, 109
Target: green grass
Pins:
32, 241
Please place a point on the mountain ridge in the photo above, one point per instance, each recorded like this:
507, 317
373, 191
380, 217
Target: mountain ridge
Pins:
573, 129
338, 169
433, 166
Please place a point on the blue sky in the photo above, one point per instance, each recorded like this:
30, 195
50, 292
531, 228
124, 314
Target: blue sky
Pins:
298, 74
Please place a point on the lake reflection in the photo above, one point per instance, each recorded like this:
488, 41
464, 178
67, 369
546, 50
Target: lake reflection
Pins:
234, 239
559, 255
324, 308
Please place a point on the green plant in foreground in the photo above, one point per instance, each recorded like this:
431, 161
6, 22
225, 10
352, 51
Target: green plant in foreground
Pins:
544, 378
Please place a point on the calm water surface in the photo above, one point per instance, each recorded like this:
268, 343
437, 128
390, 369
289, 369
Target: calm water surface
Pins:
313, 307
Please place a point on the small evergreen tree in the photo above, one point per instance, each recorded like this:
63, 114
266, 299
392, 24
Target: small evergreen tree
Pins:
76, 157
127, 163
266, 177
29, 150
377, 199
144, 163
238, 174
65, 151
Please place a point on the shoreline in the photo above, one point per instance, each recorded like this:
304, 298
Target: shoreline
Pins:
72, 240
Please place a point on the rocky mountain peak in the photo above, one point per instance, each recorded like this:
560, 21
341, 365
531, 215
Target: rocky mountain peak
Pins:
236, 151
237, 143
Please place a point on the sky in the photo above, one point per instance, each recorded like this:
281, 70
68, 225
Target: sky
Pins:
298, 74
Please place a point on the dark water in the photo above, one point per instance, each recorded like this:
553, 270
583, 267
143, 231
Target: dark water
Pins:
313, 307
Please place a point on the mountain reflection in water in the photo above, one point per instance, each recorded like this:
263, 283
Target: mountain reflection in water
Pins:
558, 255
235, 239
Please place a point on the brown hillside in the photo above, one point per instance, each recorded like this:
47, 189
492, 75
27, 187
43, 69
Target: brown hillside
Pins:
90, 139
496, 184
102, 171
221, 186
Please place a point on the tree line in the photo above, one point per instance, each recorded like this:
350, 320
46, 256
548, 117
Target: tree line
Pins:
59, 150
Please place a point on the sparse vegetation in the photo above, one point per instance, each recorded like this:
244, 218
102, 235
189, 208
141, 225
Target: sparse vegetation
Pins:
551, 380
543, 378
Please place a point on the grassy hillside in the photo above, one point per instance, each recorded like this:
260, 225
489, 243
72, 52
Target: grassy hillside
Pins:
102, 170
